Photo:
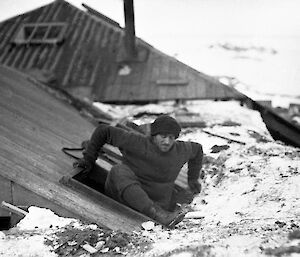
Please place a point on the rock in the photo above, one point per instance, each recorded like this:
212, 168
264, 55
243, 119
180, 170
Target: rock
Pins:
219, 148
280, 223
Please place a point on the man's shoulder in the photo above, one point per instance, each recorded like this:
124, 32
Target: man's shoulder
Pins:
181, 142
189, 145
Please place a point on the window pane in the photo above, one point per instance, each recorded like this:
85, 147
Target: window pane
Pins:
54, 32
27, 31
40, 32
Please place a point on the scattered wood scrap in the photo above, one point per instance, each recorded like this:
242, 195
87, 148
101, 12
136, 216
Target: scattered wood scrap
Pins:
226, 138
80, 241
13, 209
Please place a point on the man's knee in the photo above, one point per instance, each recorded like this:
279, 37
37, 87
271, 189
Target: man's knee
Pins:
121, 172
119, 178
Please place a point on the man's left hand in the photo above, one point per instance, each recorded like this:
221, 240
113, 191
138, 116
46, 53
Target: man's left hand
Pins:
195, 186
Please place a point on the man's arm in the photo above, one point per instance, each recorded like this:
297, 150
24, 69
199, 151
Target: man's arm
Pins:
194, 167
118, 137
103, 134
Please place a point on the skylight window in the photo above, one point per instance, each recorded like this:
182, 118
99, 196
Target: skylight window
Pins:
40, 33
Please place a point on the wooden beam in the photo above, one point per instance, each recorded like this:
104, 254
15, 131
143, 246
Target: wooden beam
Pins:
94, 12
13, 209
93, 194
226, 138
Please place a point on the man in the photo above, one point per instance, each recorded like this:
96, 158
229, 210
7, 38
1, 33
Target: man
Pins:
146, 177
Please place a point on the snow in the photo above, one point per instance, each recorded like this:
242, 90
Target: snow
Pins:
43, 219
27, 246
249, 204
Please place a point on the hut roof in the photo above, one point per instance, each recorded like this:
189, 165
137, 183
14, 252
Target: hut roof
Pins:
88, 58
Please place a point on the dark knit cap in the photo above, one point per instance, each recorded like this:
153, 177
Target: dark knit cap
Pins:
165, 124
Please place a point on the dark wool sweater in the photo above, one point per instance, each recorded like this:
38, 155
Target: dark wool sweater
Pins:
156, 170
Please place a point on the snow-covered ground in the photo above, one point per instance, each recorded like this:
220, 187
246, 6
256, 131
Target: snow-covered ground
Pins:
249, 205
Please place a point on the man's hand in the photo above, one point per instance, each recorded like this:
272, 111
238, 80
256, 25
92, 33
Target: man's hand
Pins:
84, 164
195, 186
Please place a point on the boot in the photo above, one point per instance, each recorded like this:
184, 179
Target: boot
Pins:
169, 219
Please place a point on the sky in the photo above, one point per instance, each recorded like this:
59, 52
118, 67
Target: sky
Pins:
186, 29
256, 17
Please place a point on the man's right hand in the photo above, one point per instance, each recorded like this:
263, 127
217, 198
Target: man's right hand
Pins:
195, 186
84, 164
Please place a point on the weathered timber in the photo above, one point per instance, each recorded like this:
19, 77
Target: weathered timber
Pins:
13, 209
34, 127
99, 197
227, 138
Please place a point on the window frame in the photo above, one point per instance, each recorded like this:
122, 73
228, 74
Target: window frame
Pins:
34, 38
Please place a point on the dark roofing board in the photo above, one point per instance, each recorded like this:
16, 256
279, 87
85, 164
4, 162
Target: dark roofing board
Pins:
89, 61
34, 126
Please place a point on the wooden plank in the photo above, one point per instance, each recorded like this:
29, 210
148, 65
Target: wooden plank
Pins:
27, 134
26, 198
49, 166
36, 105
226, 138
93, 194
151, 73
14, 209
164, 92
100, 15
189, 90
48, 119
16, 124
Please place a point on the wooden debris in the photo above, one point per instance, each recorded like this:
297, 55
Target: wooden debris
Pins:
13, 209
226, 138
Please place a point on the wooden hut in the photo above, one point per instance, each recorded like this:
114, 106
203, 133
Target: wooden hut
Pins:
90, 55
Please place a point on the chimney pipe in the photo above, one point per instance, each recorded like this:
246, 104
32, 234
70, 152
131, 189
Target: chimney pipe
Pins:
129, 39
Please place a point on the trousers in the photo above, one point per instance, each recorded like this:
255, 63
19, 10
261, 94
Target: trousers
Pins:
124, 186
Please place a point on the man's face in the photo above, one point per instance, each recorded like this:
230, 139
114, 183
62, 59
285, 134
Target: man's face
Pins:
164, 142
